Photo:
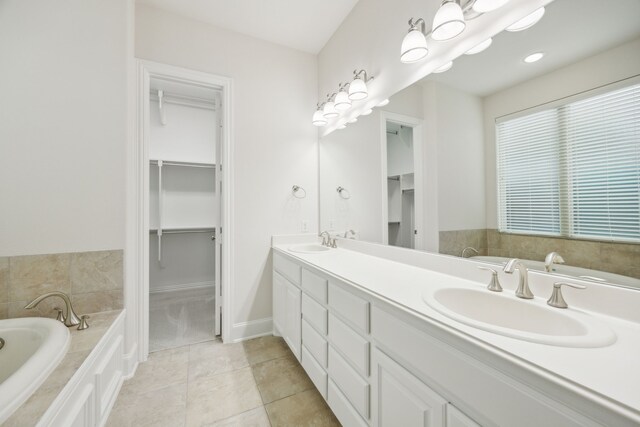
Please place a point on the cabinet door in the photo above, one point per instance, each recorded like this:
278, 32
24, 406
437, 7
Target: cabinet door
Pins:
455, 418
400, 399
279, 306
293, 321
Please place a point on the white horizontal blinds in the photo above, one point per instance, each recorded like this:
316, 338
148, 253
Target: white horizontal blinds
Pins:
603, 162
528, 174
573, 170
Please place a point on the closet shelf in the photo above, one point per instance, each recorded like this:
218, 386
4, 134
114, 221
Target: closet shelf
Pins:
170, 230
185, 164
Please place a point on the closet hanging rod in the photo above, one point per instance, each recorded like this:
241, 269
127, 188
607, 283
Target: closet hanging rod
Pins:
184, 230
186, 164
190, 101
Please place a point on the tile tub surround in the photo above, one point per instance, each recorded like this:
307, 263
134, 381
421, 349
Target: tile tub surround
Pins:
82, 343
93, 280
619, 258
253, 383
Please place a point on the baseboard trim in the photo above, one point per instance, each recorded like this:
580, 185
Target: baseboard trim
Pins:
182, 286
252, 329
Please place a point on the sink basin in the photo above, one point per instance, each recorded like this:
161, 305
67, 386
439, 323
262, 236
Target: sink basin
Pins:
33, 347
310, 248
528, 320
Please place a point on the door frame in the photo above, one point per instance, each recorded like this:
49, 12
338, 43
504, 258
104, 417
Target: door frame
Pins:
137, 259
416, 125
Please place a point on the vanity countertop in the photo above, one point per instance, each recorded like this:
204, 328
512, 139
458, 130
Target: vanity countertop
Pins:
607, 375
81, 346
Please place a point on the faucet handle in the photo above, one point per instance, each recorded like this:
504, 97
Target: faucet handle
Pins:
556, 299
83, 323
494, 284
60, 315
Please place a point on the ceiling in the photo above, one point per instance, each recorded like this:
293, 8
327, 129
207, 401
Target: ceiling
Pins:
298, 24
569, 31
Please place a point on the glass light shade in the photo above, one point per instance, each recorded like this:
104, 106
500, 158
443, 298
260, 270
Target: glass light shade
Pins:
414, 47
444, 68
358, 90
318, 119
342, 126
448, 22
354, 120
480, 47
367, 112
342, 103
483, 6
329, 111
534, 57
383, 103
527, 22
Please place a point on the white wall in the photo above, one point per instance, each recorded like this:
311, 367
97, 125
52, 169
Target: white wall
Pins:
455, 121
275, 145
606, 67
63, 126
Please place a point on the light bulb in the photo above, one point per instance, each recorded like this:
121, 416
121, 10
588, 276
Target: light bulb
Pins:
448, 22
480, 47
329, 110
342, 103
527, 22
358, 89
483, 6
383, 103
318, 119
414, 47
534, 57
444, 67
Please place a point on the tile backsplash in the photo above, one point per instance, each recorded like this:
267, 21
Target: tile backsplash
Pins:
619, 258
93, 280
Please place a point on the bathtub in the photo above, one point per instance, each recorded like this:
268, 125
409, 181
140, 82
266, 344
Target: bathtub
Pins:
32, 349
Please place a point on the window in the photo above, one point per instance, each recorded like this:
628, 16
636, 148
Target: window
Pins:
573, 170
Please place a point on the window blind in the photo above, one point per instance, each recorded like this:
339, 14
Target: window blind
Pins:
573, 170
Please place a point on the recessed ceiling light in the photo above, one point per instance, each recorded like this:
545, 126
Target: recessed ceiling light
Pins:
444, 68
527, 22
383, 103
480, 47
533, 57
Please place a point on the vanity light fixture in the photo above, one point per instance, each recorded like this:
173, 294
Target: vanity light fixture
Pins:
367, 112
329, 111
483, 6
342, 102
527, 22
534, 57
383, 103
342, 126
414, 44
479, 47
318, 117
358, 87
448, 21
444, 67
355, 119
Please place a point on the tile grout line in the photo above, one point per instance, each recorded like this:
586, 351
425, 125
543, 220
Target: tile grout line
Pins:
261, 398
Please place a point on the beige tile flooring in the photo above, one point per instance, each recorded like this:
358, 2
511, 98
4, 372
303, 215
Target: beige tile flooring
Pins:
254, 383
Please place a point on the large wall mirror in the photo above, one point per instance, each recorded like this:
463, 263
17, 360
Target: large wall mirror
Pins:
501, 158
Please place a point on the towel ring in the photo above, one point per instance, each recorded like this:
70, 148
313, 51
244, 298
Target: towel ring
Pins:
295, 189
344, 193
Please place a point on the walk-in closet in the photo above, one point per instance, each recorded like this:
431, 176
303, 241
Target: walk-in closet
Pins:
184, 214
400, 185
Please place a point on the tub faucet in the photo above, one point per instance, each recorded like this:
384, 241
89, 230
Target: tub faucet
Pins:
70, 318
349, 233
550, 259
523, 290
470, 249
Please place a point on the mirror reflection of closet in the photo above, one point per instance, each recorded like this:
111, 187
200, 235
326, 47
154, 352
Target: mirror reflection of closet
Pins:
400, 185
183, 214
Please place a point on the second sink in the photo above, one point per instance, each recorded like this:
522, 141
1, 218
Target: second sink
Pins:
530, 320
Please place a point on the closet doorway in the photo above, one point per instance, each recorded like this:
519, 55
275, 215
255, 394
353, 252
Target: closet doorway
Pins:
184, 151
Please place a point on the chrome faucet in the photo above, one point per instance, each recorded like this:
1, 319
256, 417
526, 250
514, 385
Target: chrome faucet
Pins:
326, 238
69, 319
349, 232
523, 290
550, 259
469, 248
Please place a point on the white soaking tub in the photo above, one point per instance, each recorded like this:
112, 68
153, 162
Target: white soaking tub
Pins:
33, 347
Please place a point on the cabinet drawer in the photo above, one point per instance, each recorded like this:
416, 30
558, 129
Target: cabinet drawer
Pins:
314, 313
344, 411
315, 344
354, 309
315, 286
287, 268
351, 344
315, 371
350, 382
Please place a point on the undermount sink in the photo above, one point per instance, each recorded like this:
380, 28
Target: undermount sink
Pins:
528, 320
310, 248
